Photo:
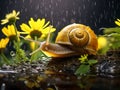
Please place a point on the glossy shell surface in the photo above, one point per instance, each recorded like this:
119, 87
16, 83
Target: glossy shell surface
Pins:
78, 37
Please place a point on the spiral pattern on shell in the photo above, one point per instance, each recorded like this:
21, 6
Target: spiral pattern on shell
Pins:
79, 37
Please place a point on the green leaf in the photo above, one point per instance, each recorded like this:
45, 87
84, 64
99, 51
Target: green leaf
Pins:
91, 62
116, 35
83, 69
111, 30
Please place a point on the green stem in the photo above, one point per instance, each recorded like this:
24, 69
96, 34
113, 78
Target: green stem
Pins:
5, 58
34, 56
18, 43
15, 30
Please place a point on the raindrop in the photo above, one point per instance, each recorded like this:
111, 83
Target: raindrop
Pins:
46, 15
74, 12
59, 0
50, 6
37, 7
3, 86
95, 3
26, 9
23, 1
64, 20
31, 1
51, 13
66, 13
84, 7
56, 4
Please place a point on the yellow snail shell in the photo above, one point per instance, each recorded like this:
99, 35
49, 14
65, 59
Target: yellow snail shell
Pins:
79, 38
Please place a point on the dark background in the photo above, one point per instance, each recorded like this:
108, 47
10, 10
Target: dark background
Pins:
95, 13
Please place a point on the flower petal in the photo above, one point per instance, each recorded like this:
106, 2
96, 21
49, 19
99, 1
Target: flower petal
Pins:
28, 36
4, 21
5, 31
42, 22
14, 12
12, 15
4, 42
38, 24
32, 23
17, 13
25, 28
12, 30
117, 22
46, 24
48, 29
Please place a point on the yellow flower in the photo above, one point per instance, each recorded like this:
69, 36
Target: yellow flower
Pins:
38, 28
102, 42
30, 82
10, 32
117, 22
83, 58
11, 17
3, 44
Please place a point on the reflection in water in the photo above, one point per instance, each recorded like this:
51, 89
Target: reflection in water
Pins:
58, 75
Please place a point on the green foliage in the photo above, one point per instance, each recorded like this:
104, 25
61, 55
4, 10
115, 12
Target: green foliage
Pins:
113, 36
91, 62
112, 30
84, 68
20, 55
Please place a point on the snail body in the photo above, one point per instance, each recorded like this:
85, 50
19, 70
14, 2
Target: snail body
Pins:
74, 39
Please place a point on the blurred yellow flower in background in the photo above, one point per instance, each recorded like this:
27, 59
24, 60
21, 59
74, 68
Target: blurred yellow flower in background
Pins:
32, 45
10, 32
117, 22
11, 17
102, 42
38, 29
3, 44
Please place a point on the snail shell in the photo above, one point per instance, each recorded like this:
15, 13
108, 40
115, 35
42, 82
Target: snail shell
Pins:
78, 38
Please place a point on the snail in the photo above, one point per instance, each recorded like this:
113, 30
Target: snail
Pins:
74, 39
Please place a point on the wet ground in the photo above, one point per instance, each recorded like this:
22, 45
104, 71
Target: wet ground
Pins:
58, 74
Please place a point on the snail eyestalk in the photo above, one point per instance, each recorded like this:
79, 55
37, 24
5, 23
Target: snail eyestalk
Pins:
30, 39
34, 51
48, 37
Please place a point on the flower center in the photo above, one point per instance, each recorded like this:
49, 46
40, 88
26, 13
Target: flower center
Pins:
13, 37
35, 33
12, 20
